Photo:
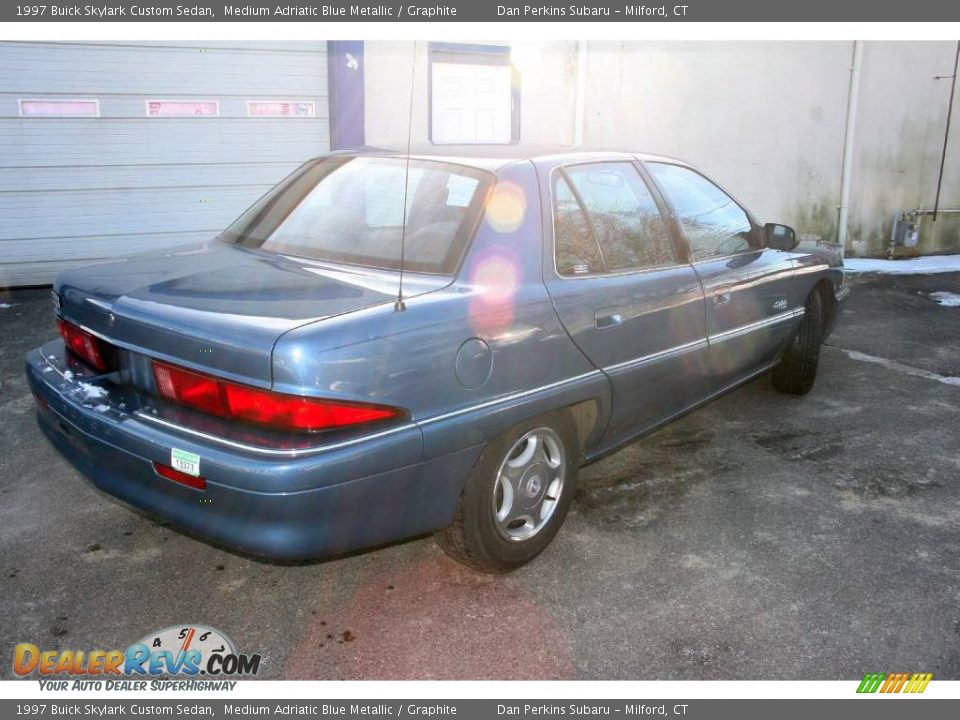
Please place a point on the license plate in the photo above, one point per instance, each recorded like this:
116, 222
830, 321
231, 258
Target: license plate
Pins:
185, 462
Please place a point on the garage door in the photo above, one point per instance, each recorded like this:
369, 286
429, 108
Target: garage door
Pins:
111, 149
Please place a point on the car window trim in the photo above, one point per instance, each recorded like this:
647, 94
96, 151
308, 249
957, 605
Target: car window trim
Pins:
654, 192
586, 216
487, 182
750, 219
666, 211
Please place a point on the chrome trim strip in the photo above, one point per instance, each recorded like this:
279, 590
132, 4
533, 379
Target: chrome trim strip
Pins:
296, 452
646, 359
697, 344
346, 443
97, 334
758, 325
507, 398
657, 356
53, 367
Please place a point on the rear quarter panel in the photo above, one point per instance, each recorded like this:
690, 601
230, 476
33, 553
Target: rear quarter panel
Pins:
497, 306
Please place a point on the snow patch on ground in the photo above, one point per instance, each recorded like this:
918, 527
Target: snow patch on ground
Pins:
4, 306
67, 375
914, 266
947, 299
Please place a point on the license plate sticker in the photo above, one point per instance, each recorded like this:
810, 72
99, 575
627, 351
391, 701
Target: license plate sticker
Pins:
185, 462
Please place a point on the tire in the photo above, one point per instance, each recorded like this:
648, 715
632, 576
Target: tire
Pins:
479, 537
797, 370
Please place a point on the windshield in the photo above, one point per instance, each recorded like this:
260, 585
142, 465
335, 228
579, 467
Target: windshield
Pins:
351, 209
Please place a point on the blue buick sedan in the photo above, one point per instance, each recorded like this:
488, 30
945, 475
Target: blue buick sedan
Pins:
385, 346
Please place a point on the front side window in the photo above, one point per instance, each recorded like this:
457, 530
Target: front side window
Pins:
712, 222
351, 209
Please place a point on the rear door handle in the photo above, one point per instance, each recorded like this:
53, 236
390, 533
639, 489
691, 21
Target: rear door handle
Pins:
721, 296
607, 319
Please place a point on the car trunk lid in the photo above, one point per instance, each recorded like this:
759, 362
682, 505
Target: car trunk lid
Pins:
216, 307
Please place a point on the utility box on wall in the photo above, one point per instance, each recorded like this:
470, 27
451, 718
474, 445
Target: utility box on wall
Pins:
915, 232
906, 231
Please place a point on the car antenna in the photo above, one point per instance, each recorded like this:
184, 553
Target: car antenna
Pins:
400, 305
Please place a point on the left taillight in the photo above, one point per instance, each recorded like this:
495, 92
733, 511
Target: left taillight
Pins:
86, 346
241, 402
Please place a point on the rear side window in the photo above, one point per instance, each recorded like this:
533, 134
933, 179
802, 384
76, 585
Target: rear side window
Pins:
712, 222
575, 247
351, 209
626, 220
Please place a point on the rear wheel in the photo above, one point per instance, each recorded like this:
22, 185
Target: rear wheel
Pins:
516, 498
797, 370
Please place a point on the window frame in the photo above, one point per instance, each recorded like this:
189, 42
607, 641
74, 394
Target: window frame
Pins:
486, 177
474, 54
754, 225
665, 210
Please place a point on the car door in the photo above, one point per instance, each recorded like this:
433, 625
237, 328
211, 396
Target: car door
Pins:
751, 307
625, 293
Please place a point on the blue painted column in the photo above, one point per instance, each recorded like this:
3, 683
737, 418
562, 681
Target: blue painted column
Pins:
345, 78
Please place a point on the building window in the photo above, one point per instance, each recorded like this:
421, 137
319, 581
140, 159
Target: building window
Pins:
474, 95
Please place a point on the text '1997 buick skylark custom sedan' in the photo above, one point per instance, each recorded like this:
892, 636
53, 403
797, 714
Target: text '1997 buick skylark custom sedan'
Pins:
384, 346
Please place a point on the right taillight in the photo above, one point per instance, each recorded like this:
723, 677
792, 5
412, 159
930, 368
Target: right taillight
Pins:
241, 402
85, 345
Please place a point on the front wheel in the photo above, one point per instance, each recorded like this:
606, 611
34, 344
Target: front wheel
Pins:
516, 498
797, 370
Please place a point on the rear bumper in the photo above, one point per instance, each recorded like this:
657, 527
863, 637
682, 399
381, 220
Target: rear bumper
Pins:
287, 507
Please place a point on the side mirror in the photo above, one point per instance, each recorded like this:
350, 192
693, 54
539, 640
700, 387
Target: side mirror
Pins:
779, 237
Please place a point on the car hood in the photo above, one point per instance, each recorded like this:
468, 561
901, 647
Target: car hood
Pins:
219, 307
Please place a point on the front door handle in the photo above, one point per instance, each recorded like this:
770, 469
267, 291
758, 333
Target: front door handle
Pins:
607, 319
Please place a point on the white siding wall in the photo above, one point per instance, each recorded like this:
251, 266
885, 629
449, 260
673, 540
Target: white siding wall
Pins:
75, 190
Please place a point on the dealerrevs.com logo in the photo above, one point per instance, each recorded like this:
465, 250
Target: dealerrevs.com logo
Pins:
183, 651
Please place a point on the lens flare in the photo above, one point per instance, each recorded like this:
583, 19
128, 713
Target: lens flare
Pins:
495, 280
506, 207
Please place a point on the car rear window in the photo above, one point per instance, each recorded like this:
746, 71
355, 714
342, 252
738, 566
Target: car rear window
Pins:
351, 210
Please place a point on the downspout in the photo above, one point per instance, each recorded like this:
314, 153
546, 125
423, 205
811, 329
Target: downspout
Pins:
946, 131
580, 93
853, 94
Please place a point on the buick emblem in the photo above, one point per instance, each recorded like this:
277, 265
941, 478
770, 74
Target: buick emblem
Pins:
533, 486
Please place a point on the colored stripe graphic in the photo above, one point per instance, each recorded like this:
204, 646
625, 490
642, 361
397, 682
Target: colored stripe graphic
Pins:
918, 683
870, 683
894, 682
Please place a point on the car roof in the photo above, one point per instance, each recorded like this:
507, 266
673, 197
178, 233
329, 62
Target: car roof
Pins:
495, 157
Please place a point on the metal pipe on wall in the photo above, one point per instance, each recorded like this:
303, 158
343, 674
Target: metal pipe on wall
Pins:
853, 94
946, 131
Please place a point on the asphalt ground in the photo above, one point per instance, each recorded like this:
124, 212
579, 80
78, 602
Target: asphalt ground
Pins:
762, 537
